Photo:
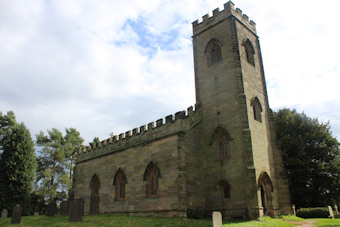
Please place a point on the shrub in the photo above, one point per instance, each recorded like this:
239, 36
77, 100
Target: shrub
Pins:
316, 212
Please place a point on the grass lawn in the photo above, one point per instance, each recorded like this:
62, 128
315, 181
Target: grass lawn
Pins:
325, 221
128, 221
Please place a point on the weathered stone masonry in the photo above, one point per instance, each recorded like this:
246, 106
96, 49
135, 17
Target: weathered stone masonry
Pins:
222, 155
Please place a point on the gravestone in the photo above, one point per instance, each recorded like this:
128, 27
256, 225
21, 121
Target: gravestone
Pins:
36, 213
76, 210
52, 209
64, 208
294, 211
336, 209
16, 214
4, 213
217, 219
330, 211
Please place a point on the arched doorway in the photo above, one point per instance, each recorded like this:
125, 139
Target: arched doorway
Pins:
266, 187
94, 201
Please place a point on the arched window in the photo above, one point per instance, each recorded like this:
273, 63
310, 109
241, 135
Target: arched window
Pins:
225, 189
257, 109
119, 182
223, 146
151, 176
249, 52
213, 52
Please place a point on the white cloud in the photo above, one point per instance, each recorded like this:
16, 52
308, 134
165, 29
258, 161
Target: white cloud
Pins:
83, 64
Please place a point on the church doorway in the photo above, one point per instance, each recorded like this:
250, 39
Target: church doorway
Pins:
266, 187
94, 200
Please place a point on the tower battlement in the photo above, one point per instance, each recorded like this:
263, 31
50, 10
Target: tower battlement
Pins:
218, 16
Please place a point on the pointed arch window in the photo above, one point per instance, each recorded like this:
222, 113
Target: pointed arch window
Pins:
257, 109
249, 52
120, 182
223, 146
225, 189
151, 177
213, 52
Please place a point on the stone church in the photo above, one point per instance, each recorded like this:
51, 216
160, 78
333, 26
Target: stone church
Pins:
222, 154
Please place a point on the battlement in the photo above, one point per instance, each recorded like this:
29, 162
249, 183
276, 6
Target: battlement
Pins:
144, 133
218, 16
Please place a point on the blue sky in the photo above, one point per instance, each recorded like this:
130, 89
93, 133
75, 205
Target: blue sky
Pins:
110, 66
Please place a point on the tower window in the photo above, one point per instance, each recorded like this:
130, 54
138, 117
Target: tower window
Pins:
249, 52
213, 52
225, 189
257, 109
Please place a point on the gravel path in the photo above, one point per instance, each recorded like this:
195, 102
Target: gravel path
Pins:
308, 223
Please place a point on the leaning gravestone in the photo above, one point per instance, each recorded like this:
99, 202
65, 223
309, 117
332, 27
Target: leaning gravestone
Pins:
76, 210
330, 212
217, 219
336, 209
64, 208
4, 213
16, 214
52, 209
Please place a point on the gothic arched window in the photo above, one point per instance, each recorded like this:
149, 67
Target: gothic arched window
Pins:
213, 52
249, 52
151, 177
224, 186
120, 182
257, 109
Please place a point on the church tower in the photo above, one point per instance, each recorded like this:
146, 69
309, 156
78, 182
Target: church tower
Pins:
241, 160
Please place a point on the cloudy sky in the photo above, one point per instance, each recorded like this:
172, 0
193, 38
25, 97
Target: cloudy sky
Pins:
109, 66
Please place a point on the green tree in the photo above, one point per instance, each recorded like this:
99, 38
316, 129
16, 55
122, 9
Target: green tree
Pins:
56, 162
17, 164
51, 162
311, 157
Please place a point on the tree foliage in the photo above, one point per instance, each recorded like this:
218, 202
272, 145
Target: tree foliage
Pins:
56, 161
17, 164
311, 157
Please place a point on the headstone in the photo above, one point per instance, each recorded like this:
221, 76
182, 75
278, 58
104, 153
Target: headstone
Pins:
76, 210
217, 219
330, 212
64, 208
336, 209
294, 210
16, 214
52, 209
36, 213
4, 213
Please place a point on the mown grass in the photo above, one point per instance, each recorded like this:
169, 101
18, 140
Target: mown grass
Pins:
326, 222
128, 221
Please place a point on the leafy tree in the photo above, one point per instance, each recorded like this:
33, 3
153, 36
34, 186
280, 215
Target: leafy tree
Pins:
56, 162
311, 157
17, 164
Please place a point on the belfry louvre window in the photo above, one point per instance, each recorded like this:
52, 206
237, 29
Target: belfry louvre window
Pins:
223, 147
213, 52
249, 52
257, 109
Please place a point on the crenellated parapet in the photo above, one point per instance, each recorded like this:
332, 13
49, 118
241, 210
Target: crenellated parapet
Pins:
218, 16
170, 125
